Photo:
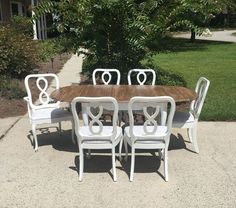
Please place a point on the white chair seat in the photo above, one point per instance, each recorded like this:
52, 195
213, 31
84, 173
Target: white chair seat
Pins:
183, 119
85, 133
51, 114
156, 142
139, 131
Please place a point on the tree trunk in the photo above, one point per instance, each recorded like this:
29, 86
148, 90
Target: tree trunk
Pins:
193, 35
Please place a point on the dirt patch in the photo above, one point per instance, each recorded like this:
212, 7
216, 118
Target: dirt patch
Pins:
17, 107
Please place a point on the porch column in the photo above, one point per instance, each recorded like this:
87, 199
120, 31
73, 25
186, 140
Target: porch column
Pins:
34, 22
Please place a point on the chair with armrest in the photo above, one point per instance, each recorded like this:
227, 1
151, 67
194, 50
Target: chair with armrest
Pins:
45, 110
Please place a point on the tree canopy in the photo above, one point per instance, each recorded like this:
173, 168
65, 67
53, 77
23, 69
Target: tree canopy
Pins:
117, 32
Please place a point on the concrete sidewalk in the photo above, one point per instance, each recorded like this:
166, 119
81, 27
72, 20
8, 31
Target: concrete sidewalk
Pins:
49, 177
225, 35
6, 124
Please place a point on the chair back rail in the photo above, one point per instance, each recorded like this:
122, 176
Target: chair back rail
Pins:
42, 83
145, 73
106, 76
95, 107
201, 90
154, 109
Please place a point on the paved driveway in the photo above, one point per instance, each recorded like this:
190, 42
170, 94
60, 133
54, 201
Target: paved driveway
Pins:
49, 178
225, 35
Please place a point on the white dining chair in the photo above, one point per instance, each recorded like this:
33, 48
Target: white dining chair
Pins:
44, 110
106, 76
189, 119
150, 135
142, 76
96, 135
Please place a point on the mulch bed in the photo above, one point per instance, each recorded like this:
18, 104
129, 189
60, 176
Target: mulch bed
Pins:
18, 107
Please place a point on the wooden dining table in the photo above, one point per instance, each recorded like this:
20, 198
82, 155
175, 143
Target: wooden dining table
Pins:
123, 93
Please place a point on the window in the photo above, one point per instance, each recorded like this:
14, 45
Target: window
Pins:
16, 8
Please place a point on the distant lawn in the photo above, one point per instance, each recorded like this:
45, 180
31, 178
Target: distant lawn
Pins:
213, 60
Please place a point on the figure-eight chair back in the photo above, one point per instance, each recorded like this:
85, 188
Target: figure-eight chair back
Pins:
95, 135
153, 134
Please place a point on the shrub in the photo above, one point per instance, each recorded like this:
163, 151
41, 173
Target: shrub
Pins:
22, 25
47, 49
50, 47
163, 77
10, 88
18, 52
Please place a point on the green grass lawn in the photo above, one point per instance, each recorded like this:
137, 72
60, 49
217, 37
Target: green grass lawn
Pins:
214, 60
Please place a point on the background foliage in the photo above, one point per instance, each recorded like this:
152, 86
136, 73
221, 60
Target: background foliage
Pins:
118, 33
18, 52
10, 89
49, 48
22, 25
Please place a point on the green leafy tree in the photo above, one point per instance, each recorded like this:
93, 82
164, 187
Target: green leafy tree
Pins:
116, 32
195, 15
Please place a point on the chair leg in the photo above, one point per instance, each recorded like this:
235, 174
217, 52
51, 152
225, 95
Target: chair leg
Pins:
126, 149
166, 164
132, 163
120, 149
35, 137
89, 154
160, 152
59, 123
119, 118
194, 136
81, 163
73, 132
189, 131
114, 164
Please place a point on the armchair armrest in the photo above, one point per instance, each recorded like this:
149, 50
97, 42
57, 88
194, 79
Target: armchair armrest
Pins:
54, 104
26, 99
